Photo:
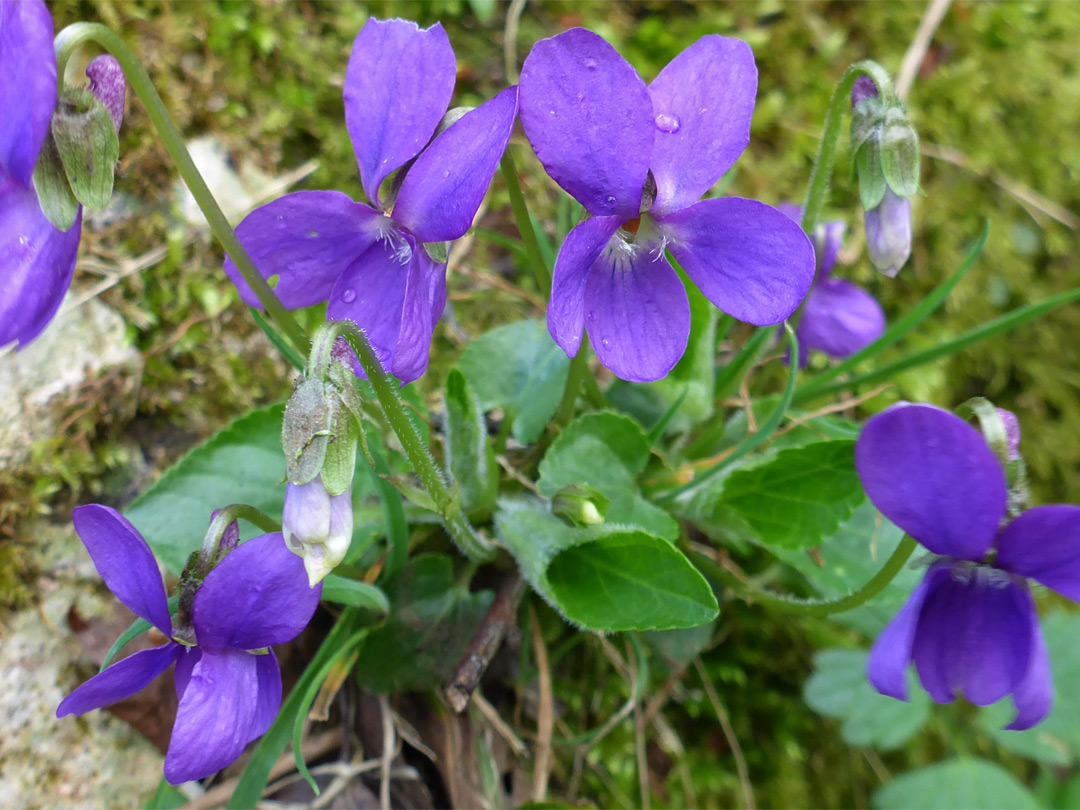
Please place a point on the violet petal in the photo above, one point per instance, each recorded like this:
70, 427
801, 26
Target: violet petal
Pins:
445, 186
397, 87
580, 250
185, 663
886, 667
1034, 695
839, 318
974, 637
1044, 544
120, 680
931, 474
1012, 432
425, 296
589, 118
108, 85
371, 293
307, 239
27, 86
746, 257
268, 674
888, 233
215, 716
125, 562
37, 266
257, 596
828, 238
702, 104
636, 311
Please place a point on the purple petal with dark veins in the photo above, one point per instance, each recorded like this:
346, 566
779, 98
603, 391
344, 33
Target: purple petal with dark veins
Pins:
125, 562
120, 680
371, 294
702, 104
890, 655
1044, 544
589, 118
37, 262
839, 318
425, 295
27, 86
255, 597
974, 636
185, 663
307, 239
445, 186
746, 257
215, 717
1034, 695
636, 311
932, 474
397, 87
580, 250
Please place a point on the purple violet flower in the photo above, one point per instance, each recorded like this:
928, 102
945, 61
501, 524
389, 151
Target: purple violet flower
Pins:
27, 85
838, 317
971, 626
888, 233
257, 596
317, 526
369, 263
601, 134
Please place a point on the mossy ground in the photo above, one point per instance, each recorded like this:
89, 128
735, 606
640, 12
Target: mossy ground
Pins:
1000, 85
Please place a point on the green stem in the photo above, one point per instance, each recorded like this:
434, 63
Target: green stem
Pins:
821, 174
810, 607
221, 521
579, 369
67, 41
524, 223
447, 503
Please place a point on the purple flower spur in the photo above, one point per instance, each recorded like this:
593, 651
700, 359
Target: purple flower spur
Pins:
228, 683
639, 158
369, 263
839, 318
970, 626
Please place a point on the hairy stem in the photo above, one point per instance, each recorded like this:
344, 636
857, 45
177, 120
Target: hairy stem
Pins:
67, 41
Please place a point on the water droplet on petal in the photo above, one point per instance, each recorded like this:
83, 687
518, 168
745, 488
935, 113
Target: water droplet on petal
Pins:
590, 64
667, 123
551, 111
606, 342
446, 173
610, 200
348, 296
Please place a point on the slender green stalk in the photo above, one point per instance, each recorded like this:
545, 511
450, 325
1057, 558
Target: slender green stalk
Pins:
67, 41
524, 223
221, 521
810, 607
821, 174
579, 370
446, 502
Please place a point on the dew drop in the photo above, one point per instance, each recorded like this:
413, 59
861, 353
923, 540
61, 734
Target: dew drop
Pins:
610, 200
552, 112
446, 173
667, 123
348, 296
590, 64
606, 342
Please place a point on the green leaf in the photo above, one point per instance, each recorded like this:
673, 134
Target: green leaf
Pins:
88, 146
604, 578
838, 688
963, 783
241, 464
354, 593
629, 580
431, 621
606, 451
469, 454
799, 497
849, 559
166, 797
519, 368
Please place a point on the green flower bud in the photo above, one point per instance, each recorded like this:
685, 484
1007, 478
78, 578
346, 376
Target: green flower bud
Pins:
580, 505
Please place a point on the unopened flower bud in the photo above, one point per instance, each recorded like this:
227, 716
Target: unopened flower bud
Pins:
317, 526
899, 148
888, 233
1012, 433
861, 90
108, 86
580, 505
85, 136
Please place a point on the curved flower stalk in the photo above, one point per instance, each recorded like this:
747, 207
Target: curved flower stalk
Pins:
971, 626
37, 259
639, 158
838, 318
368, 261
228, 683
